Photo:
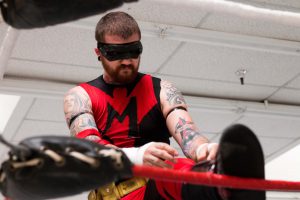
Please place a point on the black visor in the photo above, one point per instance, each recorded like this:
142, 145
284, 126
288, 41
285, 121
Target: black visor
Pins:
114, 52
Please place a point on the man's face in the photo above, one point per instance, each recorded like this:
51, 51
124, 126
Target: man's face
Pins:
120, 71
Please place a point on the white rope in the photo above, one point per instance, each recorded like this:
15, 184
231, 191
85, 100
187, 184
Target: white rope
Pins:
52, 154
29, 163
84, 158
241, 10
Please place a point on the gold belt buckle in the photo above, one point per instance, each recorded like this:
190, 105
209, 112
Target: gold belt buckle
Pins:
107, 192
130, 185
115, 192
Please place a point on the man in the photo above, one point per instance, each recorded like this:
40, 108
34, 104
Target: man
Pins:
135, 112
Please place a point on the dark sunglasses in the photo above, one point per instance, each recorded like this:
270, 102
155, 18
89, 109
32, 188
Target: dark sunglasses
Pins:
114, 52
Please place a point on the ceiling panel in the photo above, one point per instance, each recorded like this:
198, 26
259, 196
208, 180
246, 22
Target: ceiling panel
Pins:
52, 71
256, 23
221, 63
295, 83
58, 44
234, 24
218, 89
212, 121
155, 52
32, 87
3, 29
161, 12
31, 128
279, 4
286, 96
273, 125
47, 110
273, 145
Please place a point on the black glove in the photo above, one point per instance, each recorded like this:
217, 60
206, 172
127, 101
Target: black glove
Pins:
26, 14
52, 166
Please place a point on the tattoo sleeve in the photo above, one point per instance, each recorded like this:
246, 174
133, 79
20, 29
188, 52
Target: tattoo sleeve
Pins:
189, 134
81, 123
173, 95
78, 113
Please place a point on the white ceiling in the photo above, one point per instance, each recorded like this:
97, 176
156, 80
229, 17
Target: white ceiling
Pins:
198, 48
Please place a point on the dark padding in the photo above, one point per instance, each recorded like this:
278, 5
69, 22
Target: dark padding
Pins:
52, 179
28, 14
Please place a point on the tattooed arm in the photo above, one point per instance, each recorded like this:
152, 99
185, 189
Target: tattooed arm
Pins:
79, 115
181, 125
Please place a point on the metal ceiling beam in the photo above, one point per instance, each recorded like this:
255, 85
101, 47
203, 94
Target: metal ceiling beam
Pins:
208, 37
7, 47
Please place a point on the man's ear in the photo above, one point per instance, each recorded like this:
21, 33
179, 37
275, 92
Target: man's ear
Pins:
97, 51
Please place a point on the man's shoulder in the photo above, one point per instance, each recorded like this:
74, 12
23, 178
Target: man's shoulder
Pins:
150, 75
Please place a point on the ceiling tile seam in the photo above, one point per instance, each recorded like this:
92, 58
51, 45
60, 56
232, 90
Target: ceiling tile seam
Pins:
292, 88
44, 120
236, 121
203, 19
283, 86
246, 110
216, 137
35, 93
208, 132
278, 137
215, 80
20, 124
270, 113
31, 78
180, 45
50, 62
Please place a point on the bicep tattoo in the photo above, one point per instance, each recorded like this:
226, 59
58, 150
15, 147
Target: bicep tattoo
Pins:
75, 104
173, 95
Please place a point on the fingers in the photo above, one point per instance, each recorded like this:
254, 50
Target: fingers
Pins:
213, 149
207, 151
155, 161
158, 153
202, 152
166, 148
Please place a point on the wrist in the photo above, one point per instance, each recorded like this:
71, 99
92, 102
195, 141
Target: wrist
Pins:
136, 154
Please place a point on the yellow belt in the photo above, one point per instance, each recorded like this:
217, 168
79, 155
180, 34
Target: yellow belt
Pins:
115, 192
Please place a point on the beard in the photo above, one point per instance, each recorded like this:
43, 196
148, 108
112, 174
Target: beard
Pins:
122, 74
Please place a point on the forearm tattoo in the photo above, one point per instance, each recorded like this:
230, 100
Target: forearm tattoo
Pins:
188, 132
174, 96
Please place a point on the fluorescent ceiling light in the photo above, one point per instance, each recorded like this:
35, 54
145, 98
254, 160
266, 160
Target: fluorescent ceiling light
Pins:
7, 106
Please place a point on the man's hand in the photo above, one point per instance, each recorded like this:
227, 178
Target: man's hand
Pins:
207, 151
157, 153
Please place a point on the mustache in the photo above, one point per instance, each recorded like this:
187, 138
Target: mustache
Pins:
125, 66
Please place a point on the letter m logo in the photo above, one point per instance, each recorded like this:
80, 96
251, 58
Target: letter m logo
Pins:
130, 111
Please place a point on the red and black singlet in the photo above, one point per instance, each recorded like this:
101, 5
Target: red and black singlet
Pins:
128, 115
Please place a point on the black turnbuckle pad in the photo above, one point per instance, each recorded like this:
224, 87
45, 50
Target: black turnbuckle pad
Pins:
61, 166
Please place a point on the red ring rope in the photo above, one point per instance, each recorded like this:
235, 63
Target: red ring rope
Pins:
211, 179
